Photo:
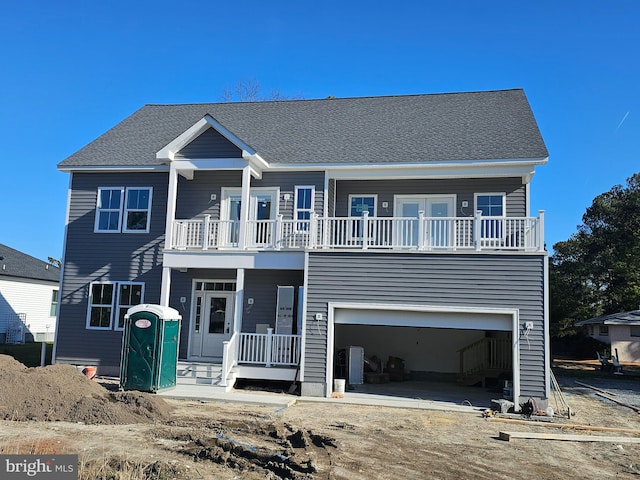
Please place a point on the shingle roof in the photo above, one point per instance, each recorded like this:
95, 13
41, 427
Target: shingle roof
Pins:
411, 128
17, 264
623, 318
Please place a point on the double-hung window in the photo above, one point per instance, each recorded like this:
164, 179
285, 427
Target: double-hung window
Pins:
121, 209
109, 302
491, 205
303, 206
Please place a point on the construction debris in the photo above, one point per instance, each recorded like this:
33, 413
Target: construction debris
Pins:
508, 436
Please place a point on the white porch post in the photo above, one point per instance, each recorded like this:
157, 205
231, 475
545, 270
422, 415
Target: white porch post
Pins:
244, 208
238, 307
165, 288
172, 194
477, 225
541, 230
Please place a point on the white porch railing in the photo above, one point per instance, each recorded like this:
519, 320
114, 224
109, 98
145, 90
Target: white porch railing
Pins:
229, 354
269, 349
392, 233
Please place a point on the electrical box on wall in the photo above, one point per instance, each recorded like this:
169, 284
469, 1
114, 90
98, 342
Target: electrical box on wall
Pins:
465, 204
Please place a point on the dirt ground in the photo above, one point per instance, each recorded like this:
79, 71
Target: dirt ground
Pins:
143, 436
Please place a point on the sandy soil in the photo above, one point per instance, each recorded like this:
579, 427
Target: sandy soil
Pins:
191, 440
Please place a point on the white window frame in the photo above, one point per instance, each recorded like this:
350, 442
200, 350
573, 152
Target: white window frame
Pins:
118, 305
122, 210
126, 210
504, 214
310, 210
55, 301
364, 195
491, 194
100, 209
114, 305
91, 305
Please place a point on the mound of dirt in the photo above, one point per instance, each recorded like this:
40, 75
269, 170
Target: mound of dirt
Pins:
62, 393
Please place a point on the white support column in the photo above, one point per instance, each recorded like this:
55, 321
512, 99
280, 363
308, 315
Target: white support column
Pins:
541, 230
172, 194
477, 226
239, 303
165, 288
244, 207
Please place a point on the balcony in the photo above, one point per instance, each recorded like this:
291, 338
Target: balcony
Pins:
478, 233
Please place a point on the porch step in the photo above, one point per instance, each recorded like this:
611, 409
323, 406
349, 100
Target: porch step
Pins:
197, 373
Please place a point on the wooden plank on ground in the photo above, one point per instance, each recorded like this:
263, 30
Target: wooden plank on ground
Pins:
508, 436
595, 388
565, 426
615, 400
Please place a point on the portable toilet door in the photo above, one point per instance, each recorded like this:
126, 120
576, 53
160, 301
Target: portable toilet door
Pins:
149, 348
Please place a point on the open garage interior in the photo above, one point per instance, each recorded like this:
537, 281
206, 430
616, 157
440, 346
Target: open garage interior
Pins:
428, 355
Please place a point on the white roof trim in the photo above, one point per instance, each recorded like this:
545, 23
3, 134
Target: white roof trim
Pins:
168, 152
121, 168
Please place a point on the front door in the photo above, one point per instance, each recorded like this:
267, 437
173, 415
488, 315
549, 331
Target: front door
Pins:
212, 324
438, 231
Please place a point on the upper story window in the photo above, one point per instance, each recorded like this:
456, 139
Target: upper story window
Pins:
304, 206
603, 330
109, 302
634, 330
362, 203
123, 210
491, 205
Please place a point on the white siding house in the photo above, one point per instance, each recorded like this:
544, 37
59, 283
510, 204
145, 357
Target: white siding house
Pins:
28, 297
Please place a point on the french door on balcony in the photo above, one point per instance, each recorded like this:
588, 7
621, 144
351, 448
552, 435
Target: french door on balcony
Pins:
263, 206
212, 324
437, 233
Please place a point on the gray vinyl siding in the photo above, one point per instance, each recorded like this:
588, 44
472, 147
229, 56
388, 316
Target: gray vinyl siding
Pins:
113, 257
464, 189
261, 285
210, 144
287, 182
498, 281
194, 196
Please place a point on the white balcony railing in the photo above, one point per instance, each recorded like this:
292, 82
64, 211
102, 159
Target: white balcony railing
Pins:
477, 233
269, 349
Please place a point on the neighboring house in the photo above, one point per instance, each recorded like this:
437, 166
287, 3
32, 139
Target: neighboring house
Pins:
400, 224
620, 330
28, 297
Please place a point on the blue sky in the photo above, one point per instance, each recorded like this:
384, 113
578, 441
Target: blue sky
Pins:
73, 69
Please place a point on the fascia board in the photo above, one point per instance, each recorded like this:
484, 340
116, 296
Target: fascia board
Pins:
406, 165
116, 168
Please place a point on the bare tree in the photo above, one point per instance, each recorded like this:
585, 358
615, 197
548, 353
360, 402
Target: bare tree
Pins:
249, 90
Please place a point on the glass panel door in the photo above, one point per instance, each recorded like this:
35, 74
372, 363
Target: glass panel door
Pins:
438, 227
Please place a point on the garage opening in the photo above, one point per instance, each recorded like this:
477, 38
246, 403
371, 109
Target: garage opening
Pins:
437, 355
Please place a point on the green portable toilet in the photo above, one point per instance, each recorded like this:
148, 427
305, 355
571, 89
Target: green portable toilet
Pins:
149, 359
